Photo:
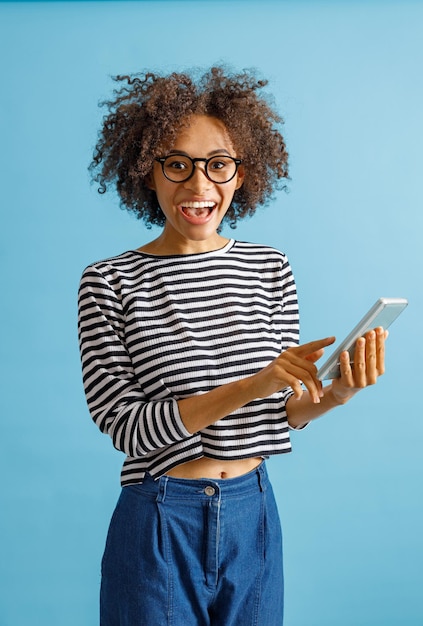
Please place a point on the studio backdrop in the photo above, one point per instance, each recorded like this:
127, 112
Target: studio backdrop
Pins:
347, 78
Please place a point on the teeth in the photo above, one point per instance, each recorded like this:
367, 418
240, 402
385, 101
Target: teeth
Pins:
198, 205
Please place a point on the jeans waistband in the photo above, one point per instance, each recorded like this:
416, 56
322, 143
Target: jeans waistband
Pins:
182, 488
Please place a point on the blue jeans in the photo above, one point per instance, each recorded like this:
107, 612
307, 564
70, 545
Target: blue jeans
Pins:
202, 552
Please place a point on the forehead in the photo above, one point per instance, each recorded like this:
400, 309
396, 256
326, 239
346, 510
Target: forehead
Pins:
203, 132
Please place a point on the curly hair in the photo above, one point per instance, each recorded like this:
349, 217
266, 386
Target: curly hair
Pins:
147, 113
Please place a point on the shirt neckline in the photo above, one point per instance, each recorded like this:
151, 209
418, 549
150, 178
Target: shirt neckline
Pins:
202, 255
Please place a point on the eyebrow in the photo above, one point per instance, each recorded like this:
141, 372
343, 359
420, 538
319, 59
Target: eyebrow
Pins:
210, 154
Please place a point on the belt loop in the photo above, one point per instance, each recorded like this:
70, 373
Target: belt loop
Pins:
261, 477
161, 495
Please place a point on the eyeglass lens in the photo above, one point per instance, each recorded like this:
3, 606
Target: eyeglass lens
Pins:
219, 169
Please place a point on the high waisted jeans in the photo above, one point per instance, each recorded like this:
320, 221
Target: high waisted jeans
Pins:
194, 553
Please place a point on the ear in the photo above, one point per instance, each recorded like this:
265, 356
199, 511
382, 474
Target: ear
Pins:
149, 181
240, 176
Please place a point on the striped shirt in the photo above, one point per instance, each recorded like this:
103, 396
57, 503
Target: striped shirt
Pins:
155, 329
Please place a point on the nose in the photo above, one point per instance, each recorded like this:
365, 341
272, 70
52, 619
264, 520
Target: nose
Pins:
198, 181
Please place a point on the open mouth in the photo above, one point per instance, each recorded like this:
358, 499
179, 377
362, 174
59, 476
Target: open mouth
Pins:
197, 212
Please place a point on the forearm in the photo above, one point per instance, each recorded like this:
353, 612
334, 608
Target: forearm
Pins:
200, 411
303, 410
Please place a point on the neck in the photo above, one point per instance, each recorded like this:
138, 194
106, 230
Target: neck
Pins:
164, 245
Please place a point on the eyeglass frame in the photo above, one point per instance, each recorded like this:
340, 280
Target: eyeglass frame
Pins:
162, 160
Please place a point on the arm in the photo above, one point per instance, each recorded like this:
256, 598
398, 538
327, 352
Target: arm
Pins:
117, 403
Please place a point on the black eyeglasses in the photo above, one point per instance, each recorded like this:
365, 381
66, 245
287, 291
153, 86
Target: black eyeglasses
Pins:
179, 168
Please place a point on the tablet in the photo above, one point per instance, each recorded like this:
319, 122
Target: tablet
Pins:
382, 313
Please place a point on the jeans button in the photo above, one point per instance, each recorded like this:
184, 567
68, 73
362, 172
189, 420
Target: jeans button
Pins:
209, 491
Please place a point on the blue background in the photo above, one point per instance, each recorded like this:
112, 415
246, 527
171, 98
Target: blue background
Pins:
347, 77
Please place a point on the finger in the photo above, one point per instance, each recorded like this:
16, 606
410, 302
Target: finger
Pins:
298, 370
311, 382
370, 357
347, 376
381, 336
314, 387
296, 387
313, 346
360, 363
314, 356
303, 363
290, 378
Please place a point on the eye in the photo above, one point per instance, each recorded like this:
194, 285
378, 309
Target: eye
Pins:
176, 164
219, 163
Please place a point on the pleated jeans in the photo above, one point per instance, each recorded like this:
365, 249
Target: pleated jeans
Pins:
183, 552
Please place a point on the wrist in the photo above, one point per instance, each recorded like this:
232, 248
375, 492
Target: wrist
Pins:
339, 396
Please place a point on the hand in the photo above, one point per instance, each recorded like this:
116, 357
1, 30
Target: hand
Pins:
292, 368
368, 365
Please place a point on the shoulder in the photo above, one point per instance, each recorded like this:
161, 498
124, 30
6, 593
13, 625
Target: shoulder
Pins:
259, 252
121, 264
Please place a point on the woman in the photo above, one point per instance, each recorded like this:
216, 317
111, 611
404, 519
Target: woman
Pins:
190, 355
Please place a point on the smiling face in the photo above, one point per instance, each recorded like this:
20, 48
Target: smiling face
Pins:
195, 208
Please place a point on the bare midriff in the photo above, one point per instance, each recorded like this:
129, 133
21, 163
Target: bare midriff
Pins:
211, 468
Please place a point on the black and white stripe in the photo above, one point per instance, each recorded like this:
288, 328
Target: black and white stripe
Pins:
154, 330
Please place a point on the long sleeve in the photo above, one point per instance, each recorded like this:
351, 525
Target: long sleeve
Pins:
115, 398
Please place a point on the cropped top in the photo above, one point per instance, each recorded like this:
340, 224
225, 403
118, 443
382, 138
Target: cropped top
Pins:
156, 329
